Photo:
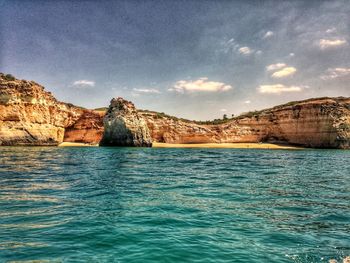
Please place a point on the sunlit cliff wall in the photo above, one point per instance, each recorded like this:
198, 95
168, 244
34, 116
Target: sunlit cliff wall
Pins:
29, 115
320, 123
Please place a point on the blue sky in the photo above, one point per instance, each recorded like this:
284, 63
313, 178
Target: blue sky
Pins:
193, 59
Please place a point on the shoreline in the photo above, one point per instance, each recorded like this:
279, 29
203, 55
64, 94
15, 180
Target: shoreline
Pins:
270, 146
237, 145
76, 144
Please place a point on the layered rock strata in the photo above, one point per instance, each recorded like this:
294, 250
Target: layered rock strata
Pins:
31, 116
124, 126
317, 123
87, 129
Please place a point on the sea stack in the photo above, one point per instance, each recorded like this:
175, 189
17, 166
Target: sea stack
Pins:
124, 126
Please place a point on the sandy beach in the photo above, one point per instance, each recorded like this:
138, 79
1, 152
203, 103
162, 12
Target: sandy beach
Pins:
76, 144
226, 145
200, 145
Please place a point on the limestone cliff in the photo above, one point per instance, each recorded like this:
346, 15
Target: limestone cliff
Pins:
31, 116
318, 123
169, 129
124, 126
87, 129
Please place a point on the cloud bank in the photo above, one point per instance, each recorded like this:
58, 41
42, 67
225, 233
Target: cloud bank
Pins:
285, 72
278, 88
333, 73
245, 51
268, 34
83, 83
200, 85
276, 66
280, 70
329, 43
147, 91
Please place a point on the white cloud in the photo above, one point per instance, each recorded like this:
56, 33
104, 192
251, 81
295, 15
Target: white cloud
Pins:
333, 73
223, 110
281, 70
83, 83
200, 85
285, 72
291, 54
331, 30
276, 66
149, 91
331, 43
245, 51
268, 34
229, 46
247, 102
278, 88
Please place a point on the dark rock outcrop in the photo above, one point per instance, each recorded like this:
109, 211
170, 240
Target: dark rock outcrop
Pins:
124, 126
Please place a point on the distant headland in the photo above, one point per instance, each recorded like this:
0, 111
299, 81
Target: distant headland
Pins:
31, 116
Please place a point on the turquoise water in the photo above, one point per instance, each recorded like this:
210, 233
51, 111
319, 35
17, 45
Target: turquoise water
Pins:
173, 205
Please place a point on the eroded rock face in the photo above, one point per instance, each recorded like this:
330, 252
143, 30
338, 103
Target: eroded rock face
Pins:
87, 129
173, 130
124, 126
318, 123
31, 116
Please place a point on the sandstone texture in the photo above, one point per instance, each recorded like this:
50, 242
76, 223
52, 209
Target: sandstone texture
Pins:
317, 123
124, 126
31, 116
87, 129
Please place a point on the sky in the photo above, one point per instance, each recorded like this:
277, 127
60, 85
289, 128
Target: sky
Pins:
192, 59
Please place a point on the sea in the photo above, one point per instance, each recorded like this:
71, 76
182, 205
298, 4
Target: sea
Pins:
95, 204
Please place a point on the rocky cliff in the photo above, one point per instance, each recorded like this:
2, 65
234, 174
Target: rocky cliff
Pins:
88, 128
124, 126
318, 123
31, 116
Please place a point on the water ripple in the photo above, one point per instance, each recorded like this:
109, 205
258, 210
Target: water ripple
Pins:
173, 205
